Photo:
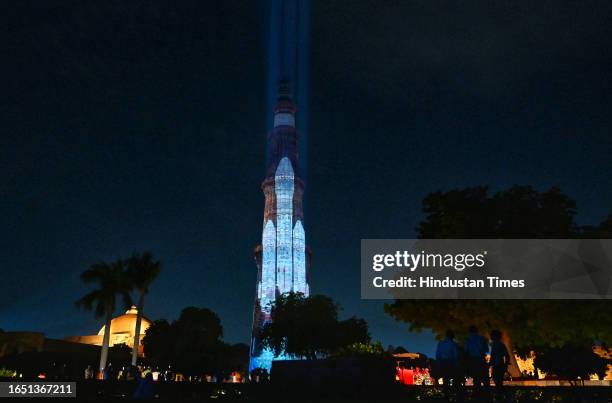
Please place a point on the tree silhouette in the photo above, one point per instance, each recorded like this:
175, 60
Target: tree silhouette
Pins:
308, 327
350, 331
192, 344
519, 212
142, 270
112, 281
158, 343
571, 361
119, 355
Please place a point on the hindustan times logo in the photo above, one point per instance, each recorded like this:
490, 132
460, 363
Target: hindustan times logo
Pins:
412, 261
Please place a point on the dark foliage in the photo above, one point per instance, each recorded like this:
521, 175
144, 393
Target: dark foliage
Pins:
571, 362
119, 355
193, 345
308, 327
518, 212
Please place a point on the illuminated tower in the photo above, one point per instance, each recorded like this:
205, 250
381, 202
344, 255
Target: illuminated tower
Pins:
282, 258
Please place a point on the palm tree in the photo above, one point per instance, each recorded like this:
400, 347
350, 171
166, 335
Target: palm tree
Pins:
142, 269
112, 281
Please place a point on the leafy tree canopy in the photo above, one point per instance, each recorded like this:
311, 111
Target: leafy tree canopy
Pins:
519, 212
119, 355
111, 280
362, 349
309, 327
158, 343
571, 362
193, 345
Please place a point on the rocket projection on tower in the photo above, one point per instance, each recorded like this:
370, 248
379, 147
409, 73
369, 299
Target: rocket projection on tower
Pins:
282, 259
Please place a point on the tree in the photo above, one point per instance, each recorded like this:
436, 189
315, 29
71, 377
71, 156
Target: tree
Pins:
119, 355
237, 357
308, 327
230, 358
603, 230
363, 349
198, 340
519, 212
158, 344
192, 343
112, 281
571, 362
350, 331
142, 270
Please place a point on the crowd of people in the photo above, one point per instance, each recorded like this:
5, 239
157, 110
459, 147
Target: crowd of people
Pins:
455, 363
145, 387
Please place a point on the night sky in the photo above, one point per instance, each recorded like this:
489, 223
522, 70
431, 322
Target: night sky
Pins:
140, 125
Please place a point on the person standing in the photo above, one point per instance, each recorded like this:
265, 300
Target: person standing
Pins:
447, 358
89, 374
476, 349
145, 389
500, 359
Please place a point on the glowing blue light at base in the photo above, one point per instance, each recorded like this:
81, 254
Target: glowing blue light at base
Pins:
264, 360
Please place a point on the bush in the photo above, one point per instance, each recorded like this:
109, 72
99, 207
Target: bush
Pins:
571, 362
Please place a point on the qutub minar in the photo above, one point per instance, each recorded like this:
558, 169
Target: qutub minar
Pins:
282, 259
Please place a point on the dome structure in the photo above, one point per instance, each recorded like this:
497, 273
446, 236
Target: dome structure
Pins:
122, 331
126, 323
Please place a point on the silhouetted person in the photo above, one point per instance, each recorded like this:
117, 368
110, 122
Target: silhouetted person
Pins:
500, 359
109, 372
134, 373
476, 348
145, 388
89, 372
447, 359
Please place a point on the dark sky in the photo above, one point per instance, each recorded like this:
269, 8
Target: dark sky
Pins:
140, 125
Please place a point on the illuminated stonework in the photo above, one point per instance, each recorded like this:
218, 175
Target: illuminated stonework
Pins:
268, 277
299, 259
283, 181
282, 258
